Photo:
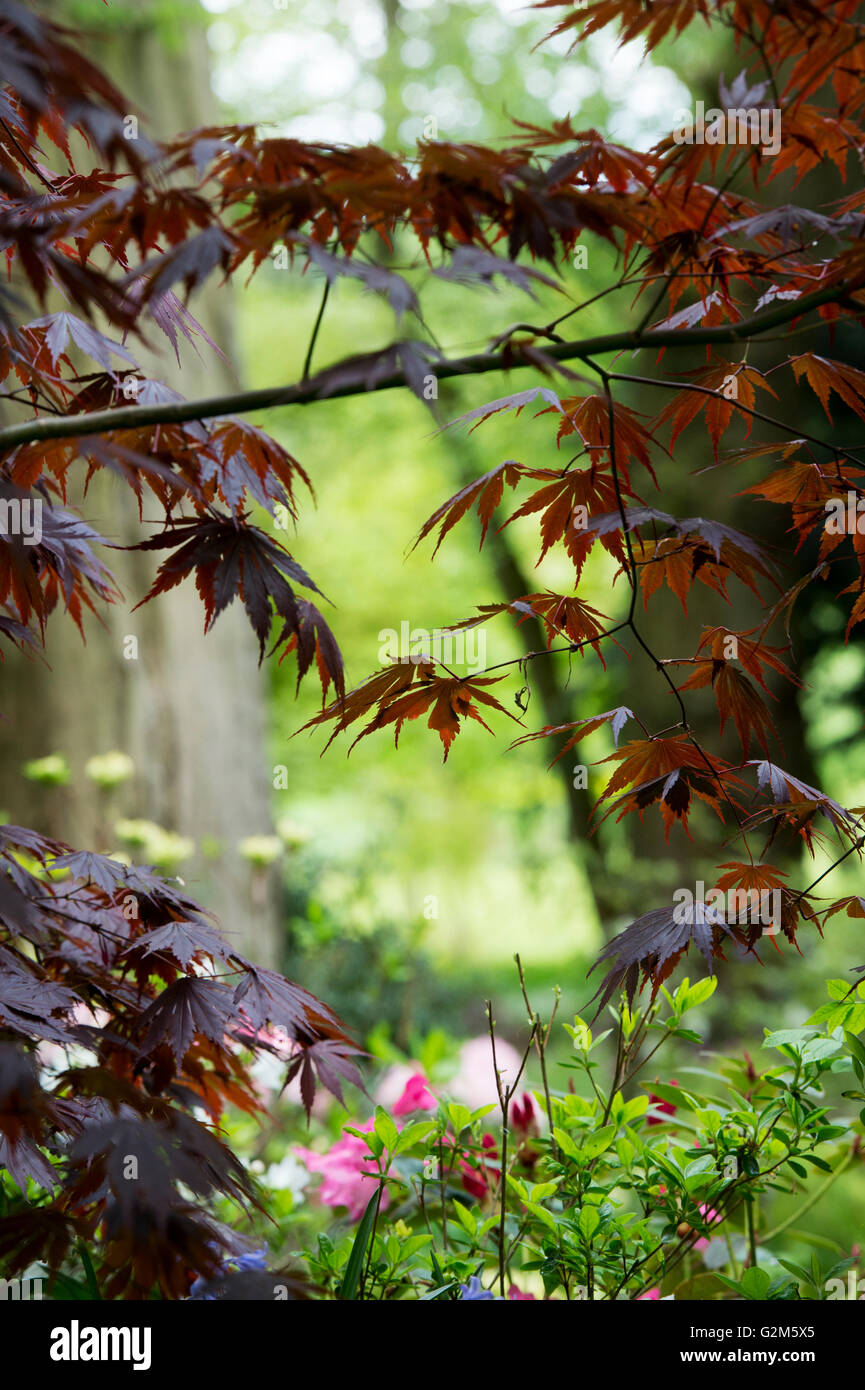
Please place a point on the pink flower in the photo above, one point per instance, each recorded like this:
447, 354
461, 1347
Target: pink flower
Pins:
416, 1096
349, 1178
661, 1107
517, 1294
525, 1127
651, 1295
348, 1181
479, 1181
524, 1121
475, 1081
393, 1082
709, 1215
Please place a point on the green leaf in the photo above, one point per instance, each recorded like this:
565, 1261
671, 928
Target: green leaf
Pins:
797, 1270
668, 1168
590, 1220
542, 1214
626, 1151
819, 1048
855, 1046
412, 1246
599, 1142
699, 1165
856, 1019
755, 1283
459, 1116
818, 1162
351, 1281
466, 1218
698, 993
89, 1272
581, 1035
634, 1108
837, 988
826, 1012
809, 1238
788, 1037
62, 1287
540, 1191
481, 1111
386, 1129
414, 1134
674, 1095
830, 1132
565, 1142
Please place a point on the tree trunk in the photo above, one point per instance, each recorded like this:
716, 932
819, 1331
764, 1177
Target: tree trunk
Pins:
188, 708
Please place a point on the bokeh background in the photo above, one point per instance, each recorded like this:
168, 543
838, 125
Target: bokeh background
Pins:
398, 888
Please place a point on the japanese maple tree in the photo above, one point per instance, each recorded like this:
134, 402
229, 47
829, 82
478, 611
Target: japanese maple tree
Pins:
118, 960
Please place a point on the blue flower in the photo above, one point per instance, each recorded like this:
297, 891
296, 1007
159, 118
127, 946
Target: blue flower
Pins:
474, 1292
253, 1259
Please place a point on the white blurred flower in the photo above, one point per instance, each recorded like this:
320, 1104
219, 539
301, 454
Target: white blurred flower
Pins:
109, 769
292, 834
164, 849
475, 1082
260, 850
288, 1175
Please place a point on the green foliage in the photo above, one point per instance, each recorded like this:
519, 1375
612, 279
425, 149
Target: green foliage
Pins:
623, 1195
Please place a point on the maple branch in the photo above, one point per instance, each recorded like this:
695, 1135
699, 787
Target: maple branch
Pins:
551, 651
632, 565
304, 376
630, 622
31, 163
857, 845
700, 233
666, 385
475, 364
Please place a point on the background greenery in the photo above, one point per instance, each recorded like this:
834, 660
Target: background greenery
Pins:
372, 840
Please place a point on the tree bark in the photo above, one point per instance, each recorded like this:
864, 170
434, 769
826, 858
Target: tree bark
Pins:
188, 708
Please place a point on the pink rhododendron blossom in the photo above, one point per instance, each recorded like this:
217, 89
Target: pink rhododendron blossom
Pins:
480, 1181
393, 1083
523, 1117
660, 1107
709, 1215
348, 1181
651, 1295
416, 1096
348, 1167
475, 1082
525, 1126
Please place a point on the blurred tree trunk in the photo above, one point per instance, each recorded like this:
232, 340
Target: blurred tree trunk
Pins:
188, 708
